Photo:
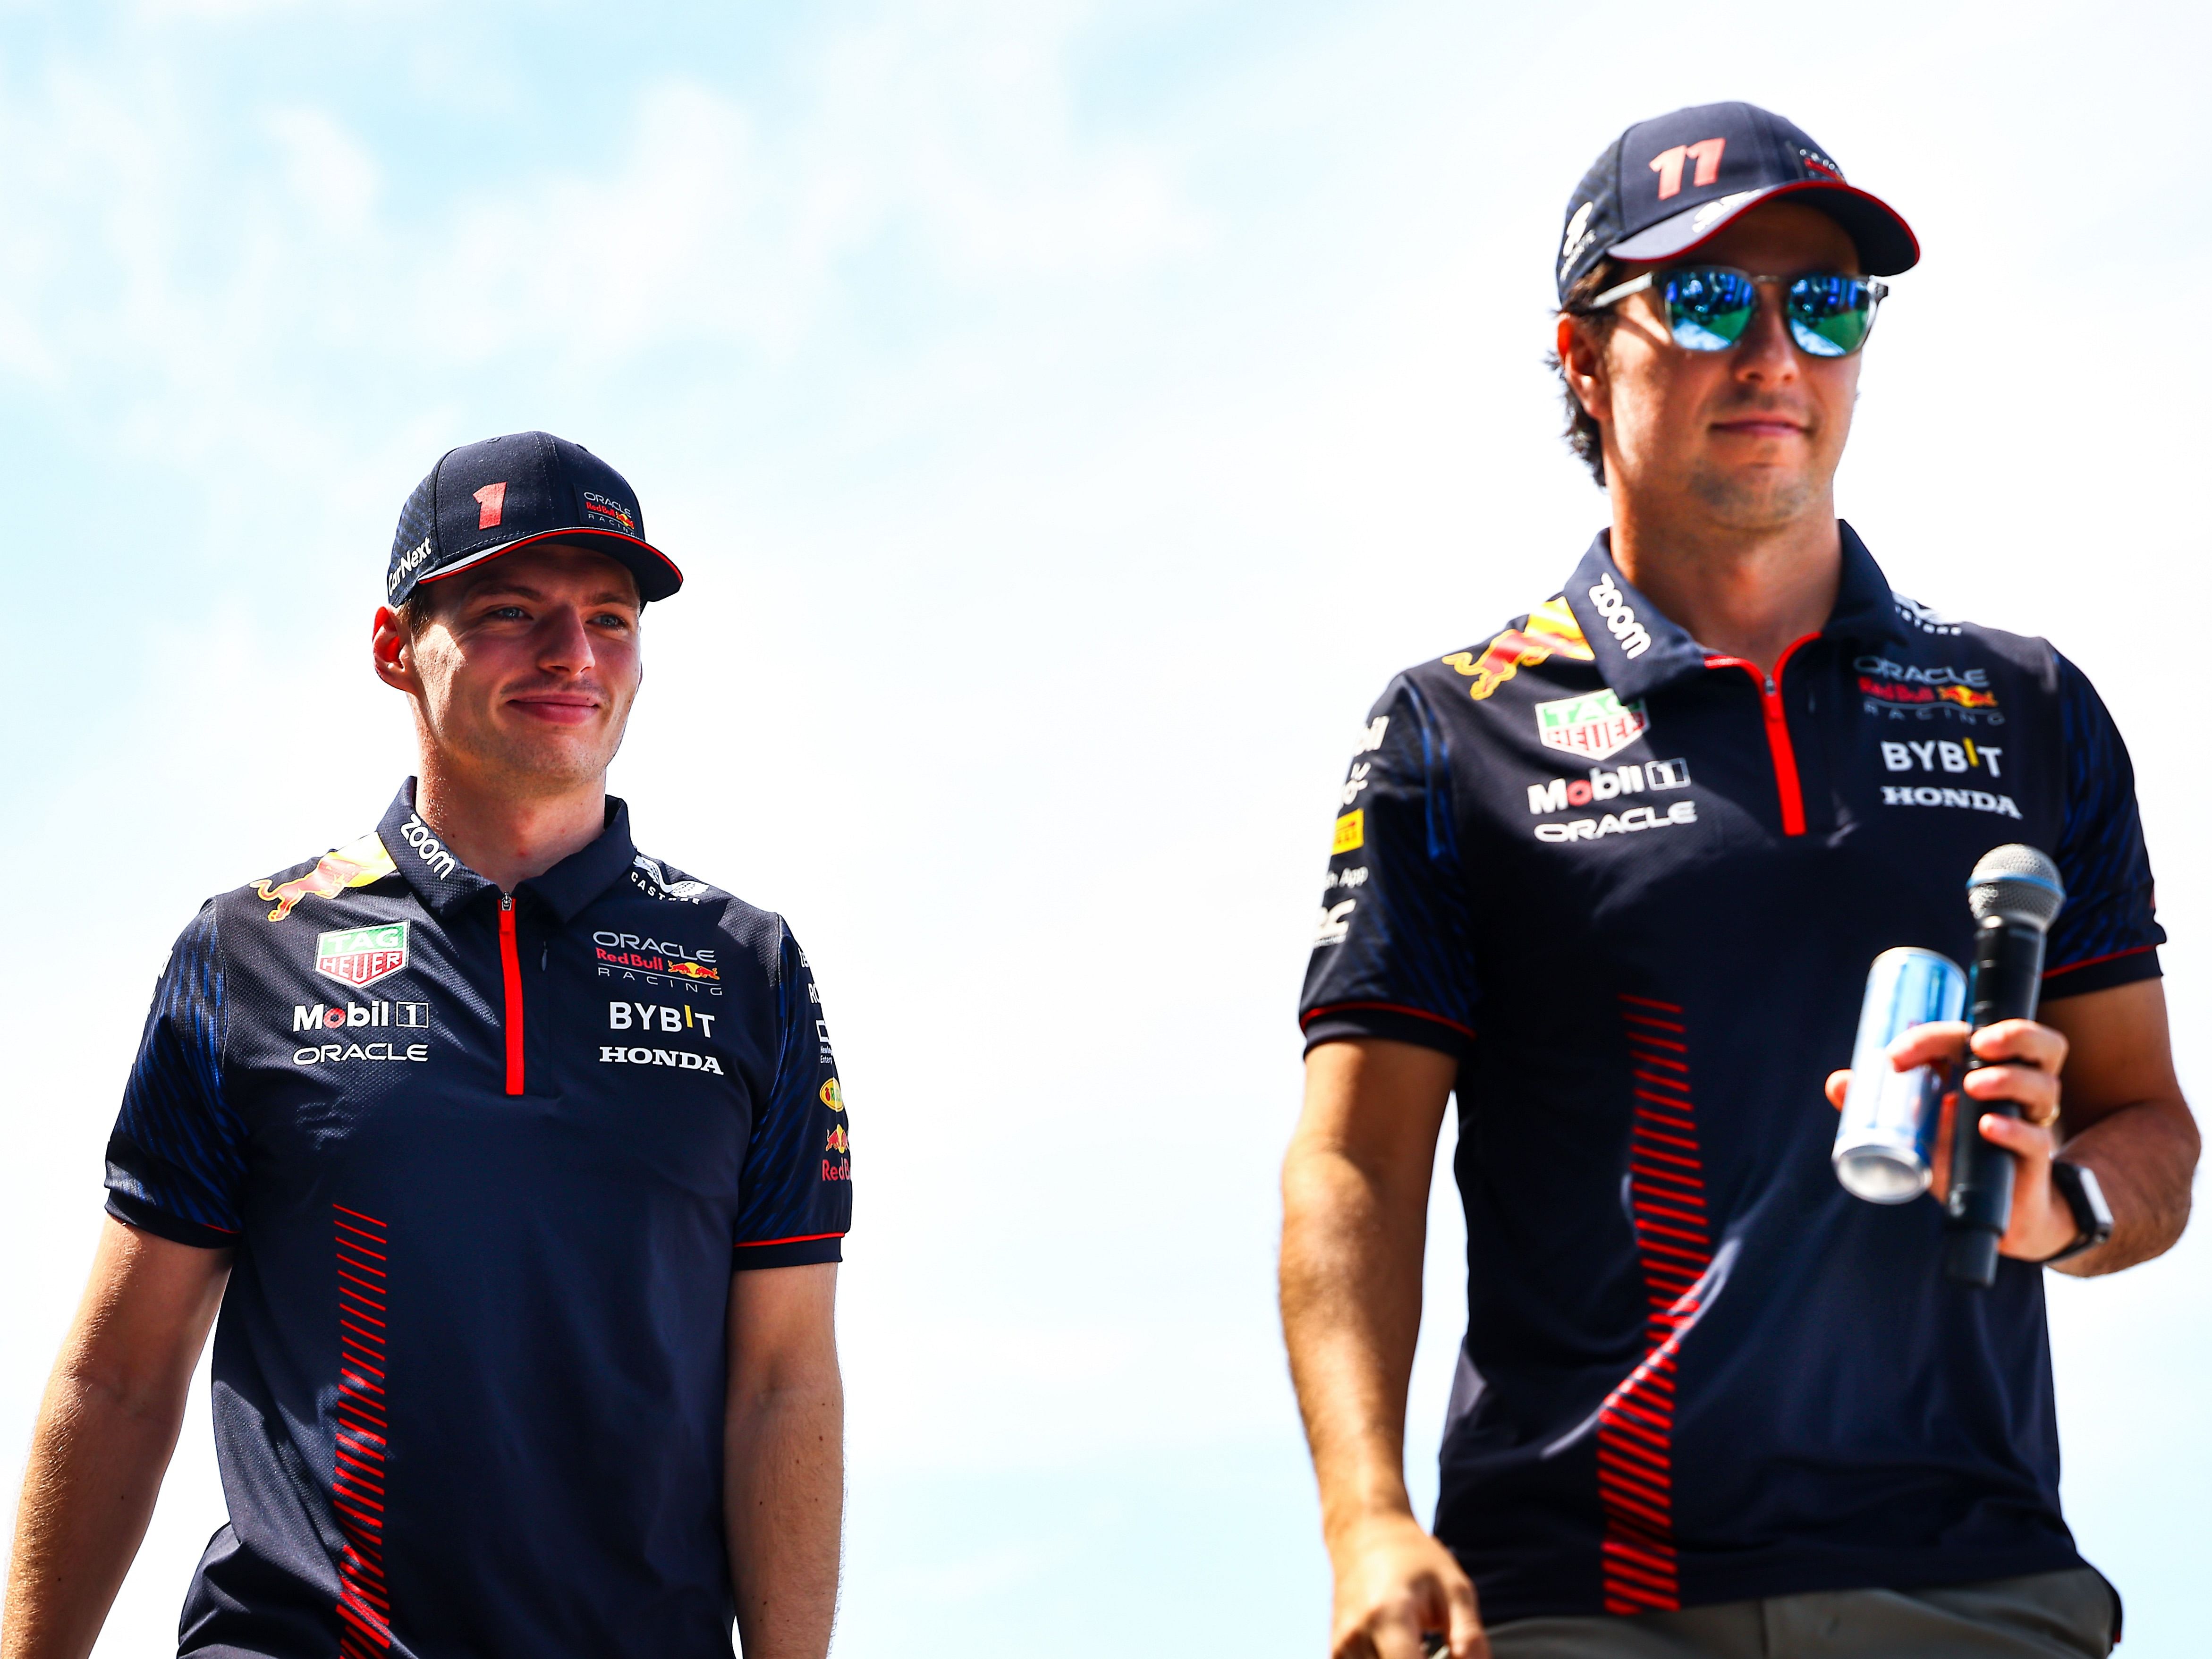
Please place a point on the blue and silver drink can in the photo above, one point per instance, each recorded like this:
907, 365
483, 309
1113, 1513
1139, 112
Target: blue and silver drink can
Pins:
1888, 1126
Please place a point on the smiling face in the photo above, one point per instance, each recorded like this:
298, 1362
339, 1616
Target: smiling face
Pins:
1746, 439
524, 671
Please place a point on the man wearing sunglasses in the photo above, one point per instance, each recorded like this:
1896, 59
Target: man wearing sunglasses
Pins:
1613, 877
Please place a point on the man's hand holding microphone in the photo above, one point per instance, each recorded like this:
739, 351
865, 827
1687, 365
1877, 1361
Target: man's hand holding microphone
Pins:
1990, 1153
2021, 1062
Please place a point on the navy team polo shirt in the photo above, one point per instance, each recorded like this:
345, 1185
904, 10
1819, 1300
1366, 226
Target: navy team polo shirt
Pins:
1634, 888
487, 1166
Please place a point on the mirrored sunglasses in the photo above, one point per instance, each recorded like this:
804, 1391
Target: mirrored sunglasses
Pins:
1709, 306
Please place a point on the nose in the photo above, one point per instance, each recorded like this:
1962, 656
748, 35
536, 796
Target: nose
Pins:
1767, 356
564, 644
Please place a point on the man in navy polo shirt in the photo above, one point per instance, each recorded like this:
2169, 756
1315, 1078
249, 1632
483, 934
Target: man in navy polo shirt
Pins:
1613, 877
515, 1163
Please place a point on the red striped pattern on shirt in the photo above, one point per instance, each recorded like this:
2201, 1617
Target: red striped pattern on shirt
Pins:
361, 1246
1674, 1245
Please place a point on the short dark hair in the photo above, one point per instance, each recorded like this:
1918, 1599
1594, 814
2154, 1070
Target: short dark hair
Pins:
1584, 435
418, 609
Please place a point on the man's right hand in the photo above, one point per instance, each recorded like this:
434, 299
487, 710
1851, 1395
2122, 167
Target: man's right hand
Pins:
1355, 1213
1395, 1584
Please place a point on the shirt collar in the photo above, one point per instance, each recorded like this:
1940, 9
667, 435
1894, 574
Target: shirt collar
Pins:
445, 884
1866, 608
1638, 650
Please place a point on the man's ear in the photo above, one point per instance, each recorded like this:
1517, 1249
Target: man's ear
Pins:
1581, 360
393, 651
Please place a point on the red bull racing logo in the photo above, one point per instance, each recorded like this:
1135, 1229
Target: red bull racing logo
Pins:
625, 956
605, 510
1920, 690
355, 866
1552, 631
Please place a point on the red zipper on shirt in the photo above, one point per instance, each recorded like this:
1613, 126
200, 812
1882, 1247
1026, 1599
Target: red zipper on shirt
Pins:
1778, 732
510, 968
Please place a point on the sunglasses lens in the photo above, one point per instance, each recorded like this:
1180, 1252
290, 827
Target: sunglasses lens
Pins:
1830, 316
1709, 309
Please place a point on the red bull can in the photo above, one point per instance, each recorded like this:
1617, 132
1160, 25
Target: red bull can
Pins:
1887, 1133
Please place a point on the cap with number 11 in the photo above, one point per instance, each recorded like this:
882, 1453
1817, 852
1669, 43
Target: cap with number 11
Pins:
1667, 185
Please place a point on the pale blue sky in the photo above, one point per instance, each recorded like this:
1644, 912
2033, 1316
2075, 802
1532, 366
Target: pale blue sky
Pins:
1069, 416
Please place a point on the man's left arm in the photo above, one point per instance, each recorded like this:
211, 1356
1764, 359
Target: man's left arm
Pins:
2117, 1103
2122, 1115
783, 1460
2095, 1081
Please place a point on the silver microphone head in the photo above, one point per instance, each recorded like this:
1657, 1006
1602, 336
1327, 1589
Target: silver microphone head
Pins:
2018, 884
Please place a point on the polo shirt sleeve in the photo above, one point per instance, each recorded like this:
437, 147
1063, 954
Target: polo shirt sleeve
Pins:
1391, 955
797, 1202
2108, 934
177, 1159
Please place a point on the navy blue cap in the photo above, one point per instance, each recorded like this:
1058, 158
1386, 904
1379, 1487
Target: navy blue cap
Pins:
1665, 185
490, 498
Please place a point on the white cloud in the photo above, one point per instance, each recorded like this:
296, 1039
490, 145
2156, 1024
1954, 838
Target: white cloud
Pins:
334, 181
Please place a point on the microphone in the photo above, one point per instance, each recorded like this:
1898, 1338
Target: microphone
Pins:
2016, 894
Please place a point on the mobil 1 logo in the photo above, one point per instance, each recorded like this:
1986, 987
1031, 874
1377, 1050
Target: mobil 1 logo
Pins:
1608, 785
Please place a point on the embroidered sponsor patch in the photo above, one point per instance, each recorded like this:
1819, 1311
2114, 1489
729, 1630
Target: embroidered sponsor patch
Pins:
1595, 725
362, 956
606, 510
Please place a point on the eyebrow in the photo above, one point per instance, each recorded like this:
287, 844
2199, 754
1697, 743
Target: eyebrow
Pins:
524, 591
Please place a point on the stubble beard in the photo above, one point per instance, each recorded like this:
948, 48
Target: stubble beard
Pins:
526, 767
1761, 498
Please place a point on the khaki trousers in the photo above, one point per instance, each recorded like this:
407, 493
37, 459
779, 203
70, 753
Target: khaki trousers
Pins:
2049, 1615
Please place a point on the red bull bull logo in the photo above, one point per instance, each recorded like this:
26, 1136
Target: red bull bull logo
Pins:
1966, 697
1959, 697
1551, 631
839, 1140
355, 866
652, 961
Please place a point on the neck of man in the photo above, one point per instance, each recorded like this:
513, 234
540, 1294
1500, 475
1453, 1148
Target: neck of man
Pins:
507, 833
1743, 592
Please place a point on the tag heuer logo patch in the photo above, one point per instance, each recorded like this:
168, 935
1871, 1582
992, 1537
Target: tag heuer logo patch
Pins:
363, 956
1592, 726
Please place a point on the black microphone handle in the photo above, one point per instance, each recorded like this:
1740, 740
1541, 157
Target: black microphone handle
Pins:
2006, 983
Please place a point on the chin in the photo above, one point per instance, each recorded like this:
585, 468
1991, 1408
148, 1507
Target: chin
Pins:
1756, 498
545, 766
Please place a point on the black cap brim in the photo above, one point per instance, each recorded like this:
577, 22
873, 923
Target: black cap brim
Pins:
1886, 243
656, 573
